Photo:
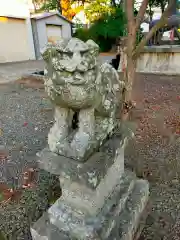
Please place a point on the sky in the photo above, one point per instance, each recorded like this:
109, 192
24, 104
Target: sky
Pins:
14, 8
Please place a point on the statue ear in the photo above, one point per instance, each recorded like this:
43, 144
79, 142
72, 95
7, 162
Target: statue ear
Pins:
48, 52
93, 47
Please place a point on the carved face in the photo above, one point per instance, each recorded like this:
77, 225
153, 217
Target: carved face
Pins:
72, 62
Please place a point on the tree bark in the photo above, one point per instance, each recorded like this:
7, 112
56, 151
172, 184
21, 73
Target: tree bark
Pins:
141, 13
162, 7
123, 4
34, 4
131, 63
132, 51
59, 6
150, 12
113, 3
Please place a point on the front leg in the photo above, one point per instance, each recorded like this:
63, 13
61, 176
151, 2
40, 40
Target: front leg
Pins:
84, 137
59, 130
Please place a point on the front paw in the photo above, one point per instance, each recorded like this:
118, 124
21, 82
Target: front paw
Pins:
80, 144
63, 147
55, 138
52, 144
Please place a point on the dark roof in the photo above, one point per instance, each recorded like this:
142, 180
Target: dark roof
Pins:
39, 16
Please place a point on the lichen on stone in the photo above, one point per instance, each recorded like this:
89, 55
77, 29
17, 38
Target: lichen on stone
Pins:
76, 81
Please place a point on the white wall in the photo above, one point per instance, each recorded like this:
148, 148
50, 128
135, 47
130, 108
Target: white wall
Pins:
55, 20
19, 8
160, 60
16, 8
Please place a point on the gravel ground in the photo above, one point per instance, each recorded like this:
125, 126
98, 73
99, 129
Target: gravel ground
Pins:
154, 154
26, 116
12, 71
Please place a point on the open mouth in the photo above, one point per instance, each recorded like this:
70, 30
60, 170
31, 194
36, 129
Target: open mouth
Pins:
74, 80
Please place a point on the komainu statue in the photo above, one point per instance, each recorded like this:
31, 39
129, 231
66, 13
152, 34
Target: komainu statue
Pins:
77, 82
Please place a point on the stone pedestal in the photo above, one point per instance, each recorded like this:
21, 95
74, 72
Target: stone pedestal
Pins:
99, 199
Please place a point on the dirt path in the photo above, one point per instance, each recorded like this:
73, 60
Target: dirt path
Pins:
10, 72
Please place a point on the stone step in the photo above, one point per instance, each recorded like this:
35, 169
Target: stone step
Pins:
133, 213
117, 220
44, 230
102, 200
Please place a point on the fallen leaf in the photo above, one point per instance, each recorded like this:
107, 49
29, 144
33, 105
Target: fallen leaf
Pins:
1, 197
25, 124
1, 132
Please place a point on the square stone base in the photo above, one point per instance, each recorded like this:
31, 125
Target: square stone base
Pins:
118, 219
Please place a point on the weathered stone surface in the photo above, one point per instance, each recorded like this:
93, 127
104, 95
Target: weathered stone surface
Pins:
91, 172
44, 230
92, 202
118, 219
86, 186
75, 81
163, 59
130, 217
162, 49
107, 209
99, 199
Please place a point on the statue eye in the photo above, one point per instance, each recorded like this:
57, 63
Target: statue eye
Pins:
66, 56
85, 55
59, 55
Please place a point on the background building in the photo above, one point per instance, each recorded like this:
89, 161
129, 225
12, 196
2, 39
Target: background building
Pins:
23, 34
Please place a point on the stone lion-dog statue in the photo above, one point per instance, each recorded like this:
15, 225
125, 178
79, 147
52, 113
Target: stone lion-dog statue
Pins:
77, 82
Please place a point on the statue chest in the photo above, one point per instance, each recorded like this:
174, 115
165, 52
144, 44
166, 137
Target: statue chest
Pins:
77, 97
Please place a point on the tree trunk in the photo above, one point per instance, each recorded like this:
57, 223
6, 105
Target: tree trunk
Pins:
113, 3
150, 12
133, 51
59, 6
34, 4
130, 76
123, 5
130, 64
162, 7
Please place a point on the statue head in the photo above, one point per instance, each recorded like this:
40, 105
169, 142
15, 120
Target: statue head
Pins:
71, 61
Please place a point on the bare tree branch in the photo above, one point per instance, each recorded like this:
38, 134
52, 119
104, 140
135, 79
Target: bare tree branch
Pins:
141, 13
113, 2
162, 22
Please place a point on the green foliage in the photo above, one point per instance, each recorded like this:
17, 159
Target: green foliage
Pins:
110, 25
84, 34
106, 29
96, 9
49, 5
158, 3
